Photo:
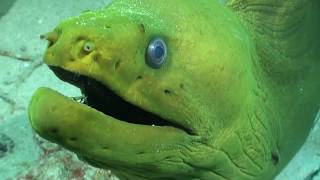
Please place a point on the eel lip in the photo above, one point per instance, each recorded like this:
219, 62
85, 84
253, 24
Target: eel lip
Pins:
103, 99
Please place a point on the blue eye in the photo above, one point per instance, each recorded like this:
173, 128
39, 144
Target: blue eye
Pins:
156, 53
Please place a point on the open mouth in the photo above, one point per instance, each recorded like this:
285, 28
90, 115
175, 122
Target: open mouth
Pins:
101, 98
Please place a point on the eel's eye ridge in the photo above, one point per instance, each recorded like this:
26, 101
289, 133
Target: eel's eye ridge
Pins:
156, 53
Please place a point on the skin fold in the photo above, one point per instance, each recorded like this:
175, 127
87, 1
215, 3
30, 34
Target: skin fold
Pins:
242, 76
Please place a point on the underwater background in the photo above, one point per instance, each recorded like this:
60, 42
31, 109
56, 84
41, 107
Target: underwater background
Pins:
23, 154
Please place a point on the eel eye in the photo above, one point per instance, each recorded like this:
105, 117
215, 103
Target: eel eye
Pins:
156, 53
88, 47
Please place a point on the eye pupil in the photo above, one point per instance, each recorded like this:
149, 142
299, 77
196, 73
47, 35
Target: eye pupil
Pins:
159, 51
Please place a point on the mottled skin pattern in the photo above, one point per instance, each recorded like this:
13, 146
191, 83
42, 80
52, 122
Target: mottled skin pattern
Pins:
242, 75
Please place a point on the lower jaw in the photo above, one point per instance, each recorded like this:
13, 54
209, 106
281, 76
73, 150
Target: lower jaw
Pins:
85, 130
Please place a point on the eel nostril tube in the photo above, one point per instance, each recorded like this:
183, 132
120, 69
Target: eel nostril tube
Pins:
52, 37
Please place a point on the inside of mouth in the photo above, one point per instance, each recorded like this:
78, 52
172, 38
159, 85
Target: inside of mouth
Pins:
106, 101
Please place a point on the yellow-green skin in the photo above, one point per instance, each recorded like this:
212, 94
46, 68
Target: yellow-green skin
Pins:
243, 76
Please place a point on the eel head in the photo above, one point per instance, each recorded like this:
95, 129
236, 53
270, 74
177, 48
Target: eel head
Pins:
161, 87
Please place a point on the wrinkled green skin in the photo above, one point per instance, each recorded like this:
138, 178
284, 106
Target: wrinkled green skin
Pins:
243, 77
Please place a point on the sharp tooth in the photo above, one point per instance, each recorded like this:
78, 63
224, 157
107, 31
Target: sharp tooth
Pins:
84, 100
81, 99
75, 76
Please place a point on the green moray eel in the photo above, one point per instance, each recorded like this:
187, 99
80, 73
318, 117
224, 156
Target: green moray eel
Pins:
185, 89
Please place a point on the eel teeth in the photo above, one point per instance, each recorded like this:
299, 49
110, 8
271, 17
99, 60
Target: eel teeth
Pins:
81, 99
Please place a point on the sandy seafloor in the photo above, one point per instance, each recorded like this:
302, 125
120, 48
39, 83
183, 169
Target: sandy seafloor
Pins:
24, 155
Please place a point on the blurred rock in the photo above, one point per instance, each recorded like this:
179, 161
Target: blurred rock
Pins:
5, 5
6, 145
